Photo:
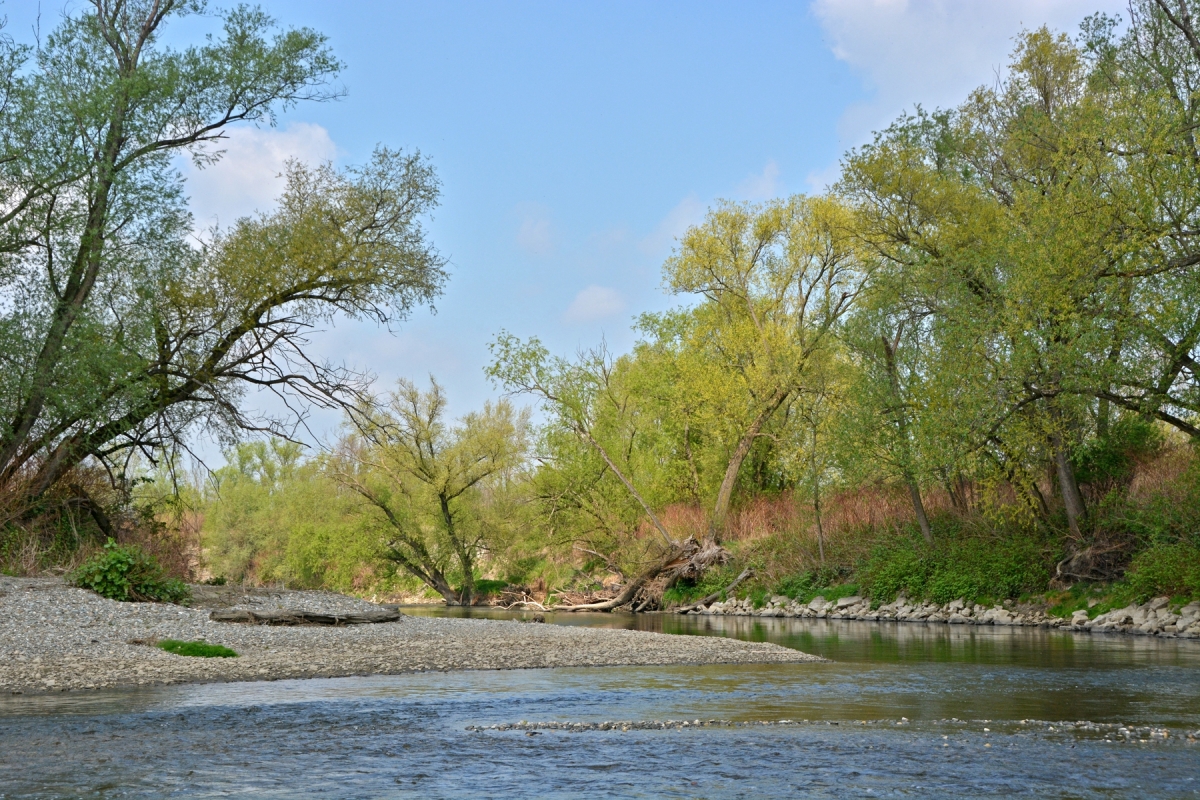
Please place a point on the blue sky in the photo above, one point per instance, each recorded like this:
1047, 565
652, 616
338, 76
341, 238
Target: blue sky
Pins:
576, 140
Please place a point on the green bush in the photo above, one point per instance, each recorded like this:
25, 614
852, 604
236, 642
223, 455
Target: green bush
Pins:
1165, 569
485, 587
1110, 459
128, 573
686, 592
974, 568
196, 649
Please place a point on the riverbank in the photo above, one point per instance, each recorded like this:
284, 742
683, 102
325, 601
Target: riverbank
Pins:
57, 638
1156, 617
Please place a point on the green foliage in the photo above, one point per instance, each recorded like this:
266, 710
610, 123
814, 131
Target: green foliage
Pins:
437, 493
826, 581
1109, 459
973, 567
272, 517
128, 574
486, 587
688, 591
1080, 596
1165, 569
195, 649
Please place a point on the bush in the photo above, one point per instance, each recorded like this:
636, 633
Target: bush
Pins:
129, 574
195, 649
686, 592
971, 568
486, 587
1170, 569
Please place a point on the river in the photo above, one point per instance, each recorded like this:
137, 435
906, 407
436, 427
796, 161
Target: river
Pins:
902, 710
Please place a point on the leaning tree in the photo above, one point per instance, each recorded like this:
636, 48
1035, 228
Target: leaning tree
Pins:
120, 332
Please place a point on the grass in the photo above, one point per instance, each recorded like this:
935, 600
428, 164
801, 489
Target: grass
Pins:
196, 649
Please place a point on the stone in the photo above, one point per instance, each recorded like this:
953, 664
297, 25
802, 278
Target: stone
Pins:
1157, 603
956, 605
817, 602
1079, 617
957, 619
847, 602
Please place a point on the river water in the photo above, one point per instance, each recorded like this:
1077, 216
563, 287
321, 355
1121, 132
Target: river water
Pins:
902, 710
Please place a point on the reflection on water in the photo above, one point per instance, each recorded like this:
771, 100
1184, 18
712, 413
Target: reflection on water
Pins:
948, 708
875, 642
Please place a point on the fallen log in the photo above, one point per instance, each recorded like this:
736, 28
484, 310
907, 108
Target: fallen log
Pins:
302, 617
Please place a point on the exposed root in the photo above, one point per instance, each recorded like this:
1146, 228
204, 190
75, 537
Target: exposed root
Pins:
686, 560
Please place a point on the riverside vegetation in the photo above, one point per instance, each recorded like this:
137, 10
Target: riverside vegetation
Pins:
965, 376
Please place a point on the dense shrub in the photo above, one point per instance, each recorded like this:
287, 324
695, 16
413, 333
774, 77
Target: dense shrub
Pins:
971, 568
1109, 460
1165, 569
686, 592
128, 573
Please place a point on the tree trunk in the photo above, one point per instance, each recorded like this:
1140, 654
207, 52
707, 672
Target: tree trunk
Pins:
716, 525
587, 436
820, 527
914, 492
467, 596
1069, 486
631, 589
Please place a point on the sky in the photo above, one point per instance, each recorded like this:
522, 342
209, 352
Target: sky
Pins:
576, 140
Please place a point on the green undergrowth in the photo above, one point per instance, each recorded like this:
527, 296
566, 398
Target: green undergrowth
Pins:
195, 649
128, 573
992, 569
997, 566
686, 592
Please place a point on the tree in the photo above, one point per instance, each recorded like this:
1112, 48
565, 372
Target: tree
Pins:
598, 440
119, 333
776, 281
428, 484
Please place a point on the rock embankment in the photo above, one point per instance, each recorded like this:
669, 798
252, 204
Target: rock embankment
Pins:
1154, 618
53, 638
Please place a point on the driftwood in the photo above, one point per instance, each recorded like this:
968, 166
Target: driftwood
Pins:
746, 574
302, 617
686, 559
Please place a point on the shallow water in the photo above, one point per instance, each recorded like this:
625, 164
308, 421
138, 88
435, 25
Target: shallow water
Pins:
903, 710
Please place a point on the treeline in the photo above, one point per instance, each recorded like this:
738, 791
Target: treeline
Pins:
988, 325
967, 369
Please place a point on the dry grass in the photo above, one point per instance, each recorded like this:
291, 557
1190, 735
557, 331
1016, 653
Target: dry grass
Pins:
58, 532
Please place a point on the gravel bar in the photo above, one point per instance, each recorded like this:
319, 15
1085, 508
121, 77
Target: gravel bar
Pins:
57, 638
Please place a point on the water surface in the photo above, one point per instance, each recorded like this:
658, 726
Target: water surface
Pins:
902, 710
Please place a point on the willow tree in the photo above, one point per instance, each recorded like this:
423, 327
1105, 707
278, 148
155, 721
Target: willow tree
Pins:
775, 281
1030, 222
427, 484
118, 331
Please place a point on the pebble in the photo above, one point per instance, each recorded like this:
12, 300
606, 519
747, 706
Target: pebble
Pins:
57, 638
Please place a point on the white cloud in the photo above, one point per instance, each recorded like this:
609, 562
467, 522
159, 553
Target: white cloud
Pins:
689, 212
932, 52
535, 234
594, 303
760, 187
248, 178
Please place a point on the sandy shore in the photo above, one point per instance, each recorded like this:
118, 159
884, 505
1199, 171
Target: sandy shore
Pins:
56, 638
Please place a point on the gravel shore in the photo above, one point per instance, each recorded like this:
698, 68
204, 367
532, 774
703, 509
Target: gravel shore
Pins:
57, 638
